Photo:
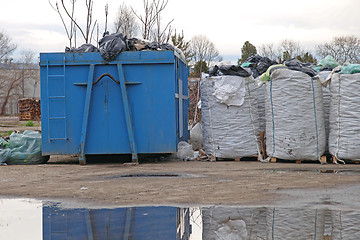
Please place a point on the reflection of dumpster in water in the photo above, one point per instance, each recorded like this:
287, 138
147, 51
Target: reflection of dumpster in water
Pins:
120, 223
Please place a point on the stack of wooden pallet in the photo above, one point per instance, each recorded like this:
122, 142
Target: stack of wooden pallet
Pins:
29, 109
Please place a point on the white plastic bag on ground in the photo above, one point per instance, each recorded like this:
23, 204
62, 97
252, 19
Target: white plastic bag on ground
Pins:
185, 151
196, 136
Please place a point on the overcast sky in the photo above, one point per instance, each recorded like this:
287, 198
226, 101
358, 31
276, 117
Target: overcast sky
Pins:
34, 25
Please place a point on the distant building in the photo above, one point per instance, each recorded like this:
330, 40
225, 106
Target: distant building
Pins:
18, 81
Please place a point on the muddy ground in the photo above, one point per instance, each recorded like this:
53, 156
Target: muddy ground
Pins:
158, 181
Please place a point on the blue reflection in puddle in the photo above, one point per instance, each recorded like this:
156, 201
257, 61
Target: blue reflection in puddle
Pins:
33, 219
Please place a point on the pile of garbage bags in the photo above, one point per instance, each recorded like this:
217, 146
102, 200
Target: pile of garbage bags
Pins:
22, 148
111, 45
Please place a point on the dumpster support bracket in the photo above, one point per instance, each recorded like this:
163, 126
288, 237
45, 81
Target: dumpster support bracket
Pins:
82, 159
127, 112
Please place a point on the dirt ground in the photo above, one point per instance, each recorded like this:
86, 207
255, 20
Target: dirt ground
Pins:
171, 182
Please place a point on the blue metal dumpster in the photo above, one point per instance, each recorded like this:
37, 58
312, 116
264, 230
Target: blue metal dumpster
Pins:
135, 104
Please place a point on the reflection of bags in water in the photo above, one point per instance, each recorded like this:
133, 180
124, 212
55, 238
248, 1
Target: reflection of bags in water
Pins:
23, 149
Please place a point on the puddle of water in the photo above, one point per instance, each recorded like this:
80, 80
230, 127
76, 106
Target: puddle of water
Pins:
34, 220
347, 172
162, 175
329, 171
21, 219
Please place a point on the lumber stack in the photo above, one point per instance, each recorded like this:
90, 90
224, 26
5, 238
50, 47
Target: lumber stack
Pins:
29, 109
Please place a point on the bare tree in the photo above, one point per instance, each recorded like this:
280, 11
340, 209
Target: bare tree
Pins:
12, 79
125, 21
87, 32
147, 20
160, 34
6, 46
343, 49
106, 16
268, 50
212, 54
151, 21
203, 49
290, 49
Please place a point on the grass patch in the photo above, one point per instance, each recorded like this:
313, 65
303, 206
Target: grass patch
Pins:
29, 124
5, 134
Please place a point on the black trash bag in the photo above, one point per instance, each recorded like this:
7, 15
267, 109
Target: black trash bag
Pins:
166, 46
111, 46
296, 65
264, 64
87, 47
153, 46
157, 46
259, 64
213, 71
229, 70
254, 58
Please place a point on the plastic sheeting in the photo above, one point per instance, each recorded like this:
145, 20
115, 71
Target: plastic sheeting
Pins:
229, 131
350, 69
344, 137
328, 63
23, 149
294, 116
230, 91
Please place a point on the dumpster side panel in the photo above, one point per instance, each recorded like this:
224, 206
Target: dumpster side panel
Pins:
152, 81
182, 73
150, 99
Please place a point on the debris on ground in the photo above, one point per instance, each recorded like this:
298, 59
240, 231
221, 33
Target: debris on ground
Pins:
22, 148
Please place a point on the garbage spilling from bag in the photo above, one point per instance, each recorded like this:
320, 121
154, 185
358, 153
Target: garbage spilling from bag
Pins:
111, 45
22, 148
258, 64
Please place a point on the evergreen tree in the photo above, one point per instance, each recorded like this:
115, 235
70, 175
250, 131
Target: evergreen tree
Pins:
286, 55
204, 68
307, 57
179, 42
247, 51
